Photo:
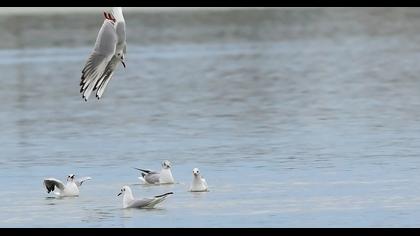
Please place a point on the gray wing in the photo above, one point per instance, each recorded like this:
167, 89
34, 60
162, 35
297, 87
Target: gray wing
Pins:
139, 203
99, 59
109, 71
80, 181
51, 183
152, 177
204, 182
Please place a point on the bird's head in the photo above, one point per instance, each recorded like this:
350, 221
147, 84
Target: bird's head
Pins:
196, 172
70, 177
120, 56
166, 164
124, 189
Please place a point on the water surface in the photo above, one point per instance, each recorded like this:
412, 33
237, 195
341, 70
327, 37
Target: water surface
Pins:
296, 118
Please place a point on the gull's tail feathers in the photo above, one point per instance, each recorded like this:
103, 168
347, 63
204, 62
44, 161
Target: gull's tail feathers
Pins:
116, 13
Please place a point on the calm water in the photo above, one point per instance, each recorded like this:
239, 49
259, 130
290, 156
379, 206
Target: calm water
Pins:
296, 118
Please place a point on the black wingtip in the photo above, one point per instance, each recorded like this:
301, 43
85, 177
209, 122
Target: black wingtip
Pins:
147, 171
165, 194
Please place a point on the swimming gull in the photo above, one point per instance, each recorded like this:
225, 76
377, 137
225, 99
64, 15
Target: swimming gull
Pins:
130, 202
199, 184
71, 188
154, 177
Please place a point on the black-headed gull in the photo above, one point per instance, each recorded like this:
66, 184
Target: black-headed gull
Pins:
71, 188
154, 177
198, 184
130, 202
110, 49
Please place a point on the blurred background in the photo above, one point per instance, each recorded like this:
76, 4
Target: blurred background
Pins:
297, 117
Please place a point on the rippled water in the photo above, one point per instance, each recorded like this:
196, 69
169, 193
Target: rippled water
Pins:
296, 118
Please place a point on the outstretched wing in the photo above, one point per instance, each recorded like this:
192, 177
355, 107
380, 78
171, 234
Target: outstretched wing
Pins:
109, 71
80, 181
98, 61
51, 183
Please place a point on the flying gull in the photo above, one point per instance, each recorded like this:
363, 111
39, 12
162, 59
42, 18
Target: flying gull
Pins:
110, 49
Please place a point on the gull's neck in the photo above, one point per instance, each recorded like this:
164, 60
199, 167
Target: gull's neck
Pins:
197, 179
166, 176
128, 197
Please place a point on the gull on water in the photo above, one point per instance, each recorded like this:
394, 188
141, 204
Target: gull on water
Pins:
71, 188
154, 177
109, 50
199, 184
130, 202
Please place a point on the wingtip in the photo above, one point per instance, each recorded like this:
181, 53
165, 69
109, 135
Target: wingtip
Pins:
164, 195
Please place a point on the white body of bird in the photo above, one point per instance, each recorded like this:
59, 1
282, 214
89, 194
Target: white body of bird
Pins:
198, 184
166, 176
70, 189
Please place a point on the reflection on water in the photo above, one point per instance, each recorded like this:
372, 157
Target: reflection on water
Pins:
296, 118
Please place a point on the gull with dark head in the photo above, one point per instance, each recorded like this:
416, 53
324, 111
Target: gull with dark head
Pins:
70, 189
130, 202
199, 184
110, 49
154, 177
